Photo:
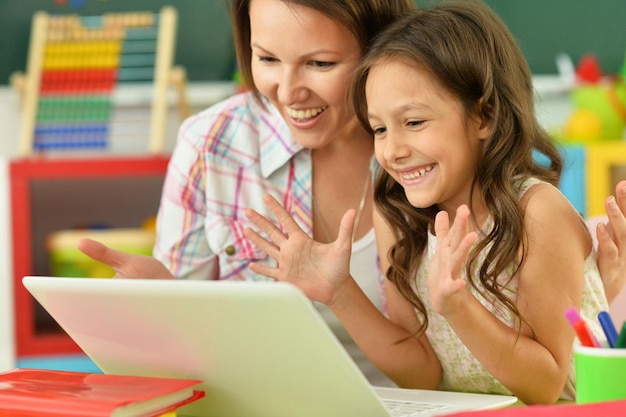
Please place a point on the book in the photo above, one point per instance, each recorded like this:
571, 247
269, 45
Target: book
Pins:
48, 393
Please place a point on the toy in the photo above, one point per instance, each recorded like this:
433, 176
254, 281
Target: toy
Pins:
75, 64
599, 105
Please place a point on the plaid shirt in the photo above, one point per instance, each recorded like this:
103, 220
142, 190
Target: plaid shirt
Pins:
226, 158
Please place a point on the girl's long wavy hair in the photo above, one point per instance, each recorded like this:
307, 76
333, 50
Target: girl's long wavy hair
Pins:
472, 54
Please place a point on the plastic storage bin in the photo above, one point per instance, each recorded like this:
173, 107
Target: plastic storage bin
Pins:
67, 261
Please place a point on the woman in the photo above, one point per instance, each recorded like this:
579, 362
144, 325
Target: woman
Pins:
294, 134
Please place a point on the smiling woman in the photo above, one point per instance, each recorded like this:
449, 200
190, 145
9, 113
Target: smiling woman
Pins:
293, 134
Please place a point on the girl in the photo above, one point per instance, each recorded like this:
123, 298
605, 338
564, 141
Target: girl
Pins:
482, 253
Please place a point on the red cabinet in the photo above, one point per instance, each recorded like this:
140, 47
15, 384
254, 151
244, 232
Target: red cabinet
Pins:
51, 194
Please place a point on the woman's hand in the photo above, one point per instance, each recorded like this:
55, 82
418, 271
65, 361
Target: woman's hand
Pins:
319, 270
612, 243
453, 246
126, 265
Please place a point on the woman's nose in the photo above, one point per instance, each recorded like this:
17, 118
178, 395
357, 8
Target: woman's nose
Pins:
291, 87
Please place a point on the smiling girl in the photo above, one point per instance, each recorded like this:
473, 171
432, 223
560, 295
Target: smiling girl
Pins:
482, 253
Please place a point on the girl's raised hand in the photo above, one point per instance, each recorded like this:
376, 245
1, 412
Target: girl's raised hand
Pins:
453, 246
318, 269
612, 243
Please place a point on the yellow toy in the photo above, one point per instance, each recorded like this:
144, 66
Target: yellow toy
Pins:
599, 105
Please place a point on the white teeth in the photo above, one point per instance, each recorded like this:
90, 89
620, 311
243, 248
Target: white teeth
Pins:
305, 114
419, 173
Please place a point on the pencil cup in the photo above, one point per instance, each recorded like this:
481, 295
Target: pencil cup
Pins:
600, 374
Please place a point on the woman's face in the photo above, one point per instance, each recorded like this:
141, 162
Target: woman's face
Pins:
302, 63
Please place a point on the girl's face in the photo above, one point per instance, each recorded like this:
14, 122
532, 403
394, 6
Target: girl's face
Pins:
422, 136
302, 63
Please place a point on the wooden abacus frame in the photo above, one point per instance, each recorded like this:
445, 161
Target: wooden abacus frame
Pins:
28, 85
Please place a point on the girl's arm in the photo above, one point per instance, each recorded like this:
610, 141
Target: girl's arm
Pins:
535, 369
321, 271
612, 243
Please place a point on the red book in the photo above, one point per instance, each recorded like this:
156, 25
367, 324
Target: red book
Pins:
44, 393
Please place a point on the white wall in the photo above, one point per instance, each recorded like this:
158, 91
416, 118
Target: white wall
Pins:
7, 335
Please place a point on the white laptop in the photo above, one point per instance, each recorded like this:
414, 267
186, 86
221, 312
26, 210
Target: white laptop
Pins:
261, 349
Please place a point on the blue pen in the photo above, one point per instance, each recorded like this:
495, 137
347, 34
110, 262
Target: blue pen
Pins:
609, 328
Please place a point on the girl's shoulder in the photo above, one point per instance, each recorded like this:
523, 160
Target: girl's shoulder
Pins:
546, 206
536, 194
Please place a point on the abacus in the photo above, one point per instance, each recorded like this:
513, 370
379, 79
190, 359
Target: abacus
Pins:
75, 64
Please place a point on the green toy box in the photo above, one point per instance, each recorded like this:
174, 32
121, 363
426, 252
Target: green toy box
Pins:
67, 261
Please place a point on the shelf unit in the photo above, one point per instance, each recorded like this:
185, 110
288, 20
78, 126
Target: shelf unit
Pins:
50, 194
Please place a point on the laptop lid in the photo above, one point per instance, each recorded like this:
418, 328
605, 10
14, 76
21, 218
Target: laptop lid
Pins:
261, 348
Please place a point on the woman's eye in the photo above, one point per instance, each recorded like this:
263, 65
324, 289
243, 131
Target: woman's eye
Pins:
322, 64
267, 59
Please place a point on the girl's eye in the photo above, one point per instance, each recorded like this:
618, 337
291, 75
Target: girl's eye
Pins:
415, 123
378, 131
322, 64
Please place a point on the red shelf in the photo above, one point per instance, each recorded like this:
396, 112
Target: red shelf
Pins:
112, 187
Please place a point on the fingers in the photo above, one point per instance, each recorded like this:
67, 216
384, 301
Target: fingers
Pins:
101, 253
264, 270
456, 240
284, 218
616, 212
346, 228
269, 228
262, 243
607, 249
442, 225
620, 195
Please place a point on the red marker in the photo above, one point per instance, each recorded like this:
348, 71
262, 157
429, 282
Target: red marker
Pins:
585, 336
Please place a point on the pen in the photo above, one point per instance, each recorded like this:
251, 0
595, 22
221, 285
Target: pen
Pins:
608, 327
585, 337
621, 340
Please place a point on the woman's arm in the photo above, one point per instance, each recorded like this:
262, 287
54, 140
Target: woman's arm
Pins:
125, 265
321, 271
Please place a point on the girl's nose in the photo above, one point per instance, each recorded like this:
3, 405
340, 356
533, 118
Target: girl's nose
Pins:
291, 87
395, 148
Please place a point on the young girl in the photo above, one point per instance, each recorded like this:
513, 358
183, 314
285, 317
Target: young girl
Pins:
473, 234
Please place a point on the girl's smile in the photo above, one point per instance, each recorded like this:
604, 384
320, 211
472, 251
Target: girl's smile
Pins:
422, 135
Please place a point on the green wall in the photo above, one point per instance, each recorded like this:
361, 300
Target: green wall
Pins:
542, 27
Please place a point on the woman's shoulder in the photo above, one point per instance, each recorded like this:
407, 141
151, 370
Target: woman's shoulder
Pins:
237, 123
240, 107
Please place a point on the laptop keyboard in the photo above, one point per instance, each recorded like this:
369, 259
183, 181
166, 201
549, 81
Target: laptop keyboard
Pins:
398, 408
